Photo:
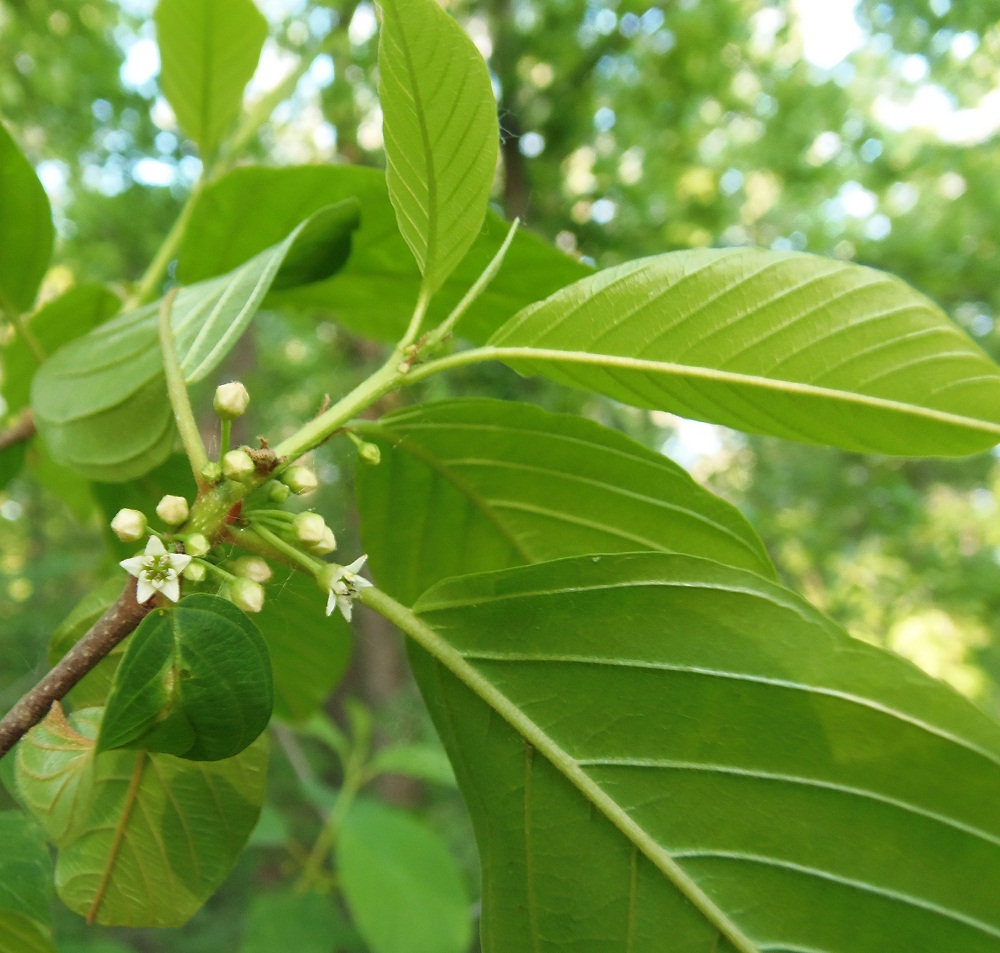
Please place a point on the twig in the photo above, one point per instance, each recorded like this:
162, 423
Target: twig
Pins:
112, 627
22, 429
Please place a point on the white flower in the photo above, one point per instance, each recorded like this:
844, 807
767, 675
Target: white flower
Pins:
157, 571
344, 583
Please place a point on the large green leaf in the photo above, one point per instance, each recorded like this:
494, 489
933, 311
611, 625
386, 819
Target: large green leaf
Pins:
195, 681
298, 922
208, 51
252, 208
25, 886
440, 130
657, 749
401, 883
144, 839
309, 650
101, 403
26, 231
770, 342
58, 322
470, 485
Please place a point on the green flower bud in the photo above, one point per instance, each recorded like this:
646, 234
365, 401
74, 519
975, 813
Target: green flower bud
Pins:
195, 572
252, 567
129, 525
370, 453
309, 528
211, 472
238, 465
197, 544
299, 480
246, 595
326, 545
277, 491
231, 400
173, 510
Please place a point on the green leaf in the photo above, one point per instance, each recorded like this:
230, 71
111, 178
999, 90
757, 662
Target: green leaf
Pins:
253, 207
12, 462
440, 130
423, 762
150, 836
26, 231
195, 681
660, 746
100, 402
402, 885
25, 886
309, 650
782, 343
59, 321
208, 50
470, 485
298, 922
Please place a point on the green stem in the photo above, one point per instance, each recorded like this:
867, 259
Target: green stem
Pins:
23, 331
218, 570
283, 548
419, 312
482, 282
428, 639
177, 391
148, 288
225, 431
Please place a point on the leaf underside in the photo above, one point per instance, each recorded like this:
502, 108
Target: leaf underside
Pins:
782, 343
656, 746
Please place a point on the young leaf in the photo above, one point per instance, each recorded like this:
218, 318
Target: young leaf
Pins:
208, 52
402, 886
100, 402
423, 762
769, 342
26, 231
649, 744
25, 886
152, 836
56, 323
195, 681
470, 485
441, 133
309, 650
251, 208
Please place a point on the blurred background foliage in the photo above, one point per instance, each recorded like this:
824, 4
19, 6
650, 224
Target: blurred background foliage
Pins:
866, 131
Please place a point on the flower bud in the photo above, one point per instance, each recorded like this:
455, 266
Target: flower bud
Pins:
238, 465
326, 545
173, 510
231, 400
197, 544
195, 572
252, 567
277, 492
370, 453
247, 595
300, 480
211, 472
309, 528
129, 525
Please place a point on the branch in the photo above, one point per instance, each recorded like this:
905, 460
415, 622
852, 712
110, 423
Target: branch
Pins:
22, 429
110, 629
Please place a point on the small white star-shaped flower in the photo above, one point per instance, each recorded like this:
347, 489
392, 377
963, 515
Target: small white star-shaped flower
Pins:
156, 571
344, 587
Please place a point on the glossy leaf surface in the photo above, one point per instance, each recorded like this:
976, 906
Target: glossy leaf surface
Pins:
402, 885
25, 886
208, 51
470, 485
440, 131
649, 744
252, 208
144, 839
195, 681
309, 650
26, 231
771, 342
101, 403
